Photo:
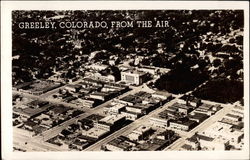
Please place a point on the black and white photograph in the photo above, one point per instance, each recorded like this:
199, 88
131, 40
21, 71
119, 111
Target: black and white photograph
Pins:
131, 80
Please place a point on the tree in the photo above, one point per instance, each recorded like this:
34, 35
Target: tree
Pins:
216, 62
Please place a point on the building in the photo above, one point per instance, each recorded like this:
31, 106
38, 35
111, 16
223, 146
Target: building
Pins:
133, 77
130, 100
95, 133
116, 108
207, 109
182, 125
159, 122
209, 143
138, 109
90, 102
162, 95
233, 117
79, 144
190, 101
182, 108
193, 142
148, 69
130, 115
186, 147
166, 135
224, 130
73, 88
100, 96
27, 113
198, 117
111, 122
140, 133
238, 110
120, 144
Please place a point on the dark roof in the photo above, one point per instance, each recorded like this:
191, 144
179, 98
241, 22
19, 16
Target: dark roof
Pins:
186, 123
37, 103
95, 117
186, 146
66, 132
193, 138
120, 142
166, 133
59, 109
77, 142
30, 123
206, 138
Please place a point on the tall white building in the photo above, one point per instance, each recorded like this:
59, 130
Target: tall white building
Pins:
133, 77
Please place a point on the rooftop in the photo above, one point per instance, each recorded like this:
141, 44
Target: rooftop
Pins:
131, 98
232, 115
186, 147
141, 129
59, 109
131, 71
94, 132
117, 106
199, 116
111, 119
162, 93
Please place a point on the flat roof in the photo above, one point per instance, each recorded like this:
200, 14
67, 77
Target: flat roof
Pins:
205, 138
141, 129
31, 111
179, 105
131, 71
232, 115
130, 112
186, 146
96, 132
186, 123
120, 142
111, 119
59, 109
164, 93
95, 117
117, 106
198, 116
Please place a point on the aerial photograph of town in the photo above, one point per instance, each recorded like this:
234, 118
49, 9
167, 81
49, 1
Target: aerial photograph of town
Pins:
127, 80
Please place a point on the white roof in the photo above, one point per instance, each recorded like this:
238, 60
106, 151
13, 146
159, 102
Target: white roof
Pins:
112, 118
95, 132
141, 129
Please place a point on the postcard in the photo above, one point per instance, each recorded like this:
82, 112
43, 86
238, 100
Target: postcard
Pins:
125, 80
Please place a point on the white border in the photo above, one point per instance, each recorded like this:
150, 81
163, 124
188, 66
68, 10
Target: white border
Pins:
6, 89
